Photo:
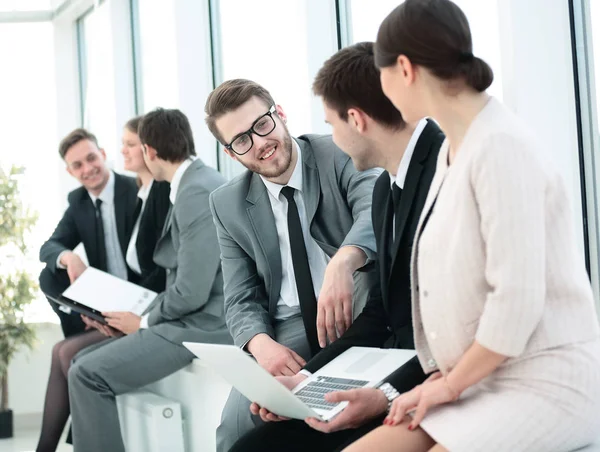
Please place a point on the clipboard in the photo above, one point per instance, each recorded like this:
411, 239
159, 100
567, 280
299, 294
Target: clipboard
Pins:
79, 308
95, 292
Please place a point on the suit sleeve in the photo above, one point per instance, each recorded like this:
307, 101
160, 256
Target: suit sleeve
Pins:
358, 187
370, 329
406, 377
197, 260
65, 237
246, 303
514, 305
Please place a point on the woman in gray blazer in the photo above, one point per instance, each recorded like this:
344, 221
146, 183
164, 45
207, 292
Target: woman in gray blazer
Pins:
503, 312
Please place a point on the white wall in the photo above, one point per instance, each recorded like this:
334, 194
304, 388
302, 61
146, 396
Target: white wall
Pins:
29, 370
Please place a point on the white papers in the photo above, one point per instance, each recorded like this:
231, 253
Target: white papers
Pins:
104, 292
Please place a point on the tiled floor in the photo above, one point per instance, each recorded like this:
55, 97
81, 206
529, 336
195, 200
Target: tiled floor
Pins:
26, 440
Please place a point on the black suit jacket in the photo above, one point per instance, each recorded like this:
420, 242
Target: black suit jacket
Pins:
153, 218
387, 319
78, 224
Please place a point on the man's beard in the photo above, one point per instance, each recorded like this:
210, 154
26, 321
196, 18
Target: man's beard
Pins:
272, 172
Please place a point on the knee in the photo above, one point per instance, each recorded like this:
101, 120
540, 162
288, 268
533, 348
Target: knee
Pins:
46, 279
53, 283
84, 372
57, 352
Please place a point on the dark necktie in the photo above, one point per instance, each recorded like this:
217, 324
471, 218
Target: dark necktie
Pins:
304, 283
396, 196
100, 245
138, 209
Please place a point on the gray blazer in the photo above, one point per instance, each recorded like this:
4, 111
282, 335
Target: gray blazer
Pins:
191, 308
338, 206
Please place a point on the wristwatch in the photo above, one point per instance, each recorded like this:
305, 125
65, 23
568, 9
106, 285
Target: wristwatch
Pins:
390, 393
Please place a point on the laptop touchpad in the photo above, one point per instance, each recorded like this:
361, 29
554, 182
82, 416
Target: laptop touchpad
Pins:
365, 362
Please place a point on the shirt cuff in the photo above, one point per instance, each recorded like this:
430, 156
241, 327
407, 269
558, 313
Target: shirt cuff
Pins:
144, 322
58, 264
306, 373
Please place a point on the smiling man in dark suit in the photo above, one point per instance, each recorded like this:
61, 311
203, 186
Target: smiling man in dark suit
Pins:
100, 215
372, 132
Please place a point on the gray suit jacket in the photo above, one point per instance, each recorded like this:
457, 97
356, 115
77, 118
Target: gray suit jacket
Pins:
191, 308
338, 206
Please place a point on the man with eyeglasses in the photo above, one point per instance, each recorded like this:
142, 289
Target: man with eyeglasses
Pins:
292, 230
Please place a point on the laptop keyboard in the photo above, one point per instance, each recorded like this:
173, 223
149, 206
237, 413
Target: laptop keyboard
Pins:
313, 393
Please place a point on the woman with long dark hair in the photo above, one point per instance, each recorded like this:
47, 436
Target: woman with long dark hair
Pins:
503, 312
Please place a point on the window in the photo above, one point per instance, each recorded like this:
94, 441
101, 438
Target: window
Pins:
25, 5
586, 23
281, 45
28, 102
366, 16
157, 55
97, 74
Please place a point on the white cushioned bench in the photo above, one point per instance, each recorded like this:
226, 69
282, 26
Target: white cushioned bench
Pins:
200, 394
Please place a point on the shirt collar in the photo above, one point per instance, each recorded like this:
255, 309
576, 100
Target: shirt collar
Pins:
295, 180
178, 175
143, 192
107, 195
408, 153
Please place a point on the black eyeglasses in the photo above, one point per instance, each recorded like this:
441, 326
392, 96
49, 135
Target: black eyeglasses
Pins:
263, 126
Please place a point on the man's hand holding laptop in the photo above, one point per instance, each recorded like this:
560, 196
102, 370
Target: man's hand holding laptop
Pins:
275, 358
364, 404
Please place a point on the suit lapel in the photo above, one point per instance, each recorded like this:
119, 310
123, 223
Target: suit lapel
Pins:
261, 217
385, 234
311, 186
411, 184
121, 212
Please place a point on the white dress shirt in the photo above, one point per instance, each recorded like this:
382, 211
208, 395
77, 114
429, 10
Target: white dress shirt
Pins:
177, 177
289, 303
400, 176
131, 256
114, 256
175, 181
115, 262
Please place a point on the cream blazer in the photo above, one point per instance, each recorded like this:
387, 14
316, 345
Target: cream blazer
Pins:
497, 260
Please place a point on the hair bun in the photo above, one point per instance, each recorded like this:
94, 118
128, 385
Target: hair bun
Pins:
478, 74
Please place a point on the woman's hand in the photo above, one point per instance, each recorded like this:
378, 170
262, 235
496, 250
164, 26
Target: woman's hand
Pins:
434, 391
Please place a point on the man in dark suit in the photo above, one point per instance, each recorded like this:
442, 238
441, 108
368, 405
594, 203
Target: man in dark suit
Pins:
367, 127
292, 229
100, 215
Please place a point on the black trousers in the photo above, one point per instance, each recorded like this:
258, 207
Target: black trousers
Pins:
292, 436
53, 284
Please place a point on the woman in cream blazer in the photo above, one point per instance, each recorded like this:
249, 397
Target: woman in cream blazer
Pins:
503, 312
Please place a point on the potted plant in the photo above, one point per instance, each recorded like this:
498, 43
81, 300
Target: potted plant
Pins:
17, 287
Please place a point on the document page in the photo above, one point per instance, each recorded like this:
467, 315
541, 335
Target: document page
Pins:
104, 292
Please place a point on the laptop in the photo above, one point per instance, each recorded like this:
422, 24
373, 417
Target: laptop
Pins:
95, 292
357, 367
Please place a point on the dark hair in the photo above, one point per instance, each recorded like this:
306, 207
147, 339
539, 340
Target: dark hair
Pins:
230, 95
169, 132
350, 79
73, 138
434, 34
133, 124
